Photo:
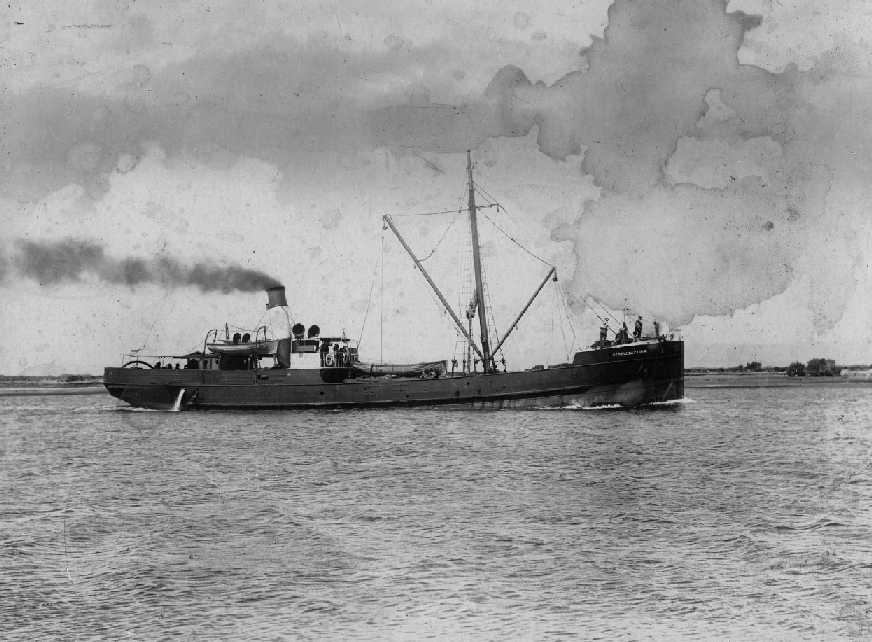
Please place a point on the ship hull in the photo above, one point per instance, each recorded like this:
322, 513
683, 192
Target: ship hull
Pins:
629, 376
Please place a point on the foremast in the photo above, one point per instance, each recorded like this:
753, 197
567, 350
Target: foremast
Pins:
487, 359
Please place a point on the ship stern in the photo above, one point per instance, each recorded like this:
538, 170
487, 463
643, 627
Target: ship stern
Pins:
143, 388
633, 375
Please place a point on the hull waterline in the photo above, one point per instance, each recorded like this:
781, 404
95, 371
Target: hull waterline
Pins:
629, 376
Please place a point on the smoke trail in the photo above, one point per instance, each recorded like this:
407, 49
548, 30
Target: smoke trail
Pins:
70, 260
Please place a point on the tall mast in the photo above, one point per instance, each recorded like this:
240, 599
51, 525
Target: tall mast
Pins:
476, 262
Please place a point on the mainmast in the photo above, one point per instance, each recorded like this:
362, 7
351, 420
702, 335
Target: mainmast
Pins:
477, 302
476, 262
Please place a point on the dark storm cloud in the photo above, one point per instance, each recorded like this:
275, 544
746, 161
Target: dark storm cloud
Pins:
281, 99
71, 260
644, 87
641, 88
454, 128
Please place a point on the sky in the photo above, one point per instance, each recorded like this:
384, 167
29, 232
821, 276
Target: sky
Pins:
698, 162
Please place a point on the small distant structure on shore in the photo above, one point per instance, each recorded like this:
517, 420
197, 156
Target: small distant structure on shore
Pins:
821, 368
856, 373
813, 368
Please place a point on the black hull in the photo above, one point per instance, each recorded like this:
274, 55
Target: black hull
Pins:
629, 375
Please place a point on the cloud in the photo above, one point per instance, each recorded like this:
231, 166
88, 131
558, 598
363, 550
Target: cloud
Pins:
270, 103
798, 33
642, 86
717, 177
238, 80
685, 181
682, 250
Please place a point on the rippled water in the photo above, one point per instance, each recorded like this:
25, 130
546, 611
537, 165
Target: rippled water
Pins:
745, 514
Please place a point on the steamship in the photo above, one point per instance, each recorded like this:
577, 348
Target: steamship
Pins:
286, 365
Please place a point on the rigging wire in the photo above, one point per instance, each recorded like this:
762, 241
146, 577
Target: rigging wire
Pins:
459, 210
463, 269
494, 203
487, 195
602, 309
502, 207
498, 205
601, 318
149, 334
563, 301
465, 296
516, 242
501, 351
601, 312
454, 211
441, 238
369, 300
566, 349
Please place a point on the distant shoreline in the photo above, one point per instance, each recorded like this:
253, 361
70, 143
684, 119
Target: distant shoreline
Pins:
44, 391
698, 379
50, 380
29, 386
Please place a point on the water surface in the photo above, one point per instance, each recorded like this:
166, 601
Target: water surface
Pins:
744, 514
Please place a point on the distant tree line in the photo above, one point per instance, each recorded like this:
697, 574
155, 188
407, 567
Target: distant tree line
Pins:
814, 368
751, 366
796, 369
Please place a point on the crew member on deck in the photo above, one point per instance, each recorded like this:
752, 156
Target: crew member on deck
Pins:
604, 332
637, 330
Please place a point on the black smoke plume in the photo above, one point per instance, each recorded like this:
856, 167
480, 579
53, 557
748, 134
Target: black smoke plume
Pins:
70, 260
